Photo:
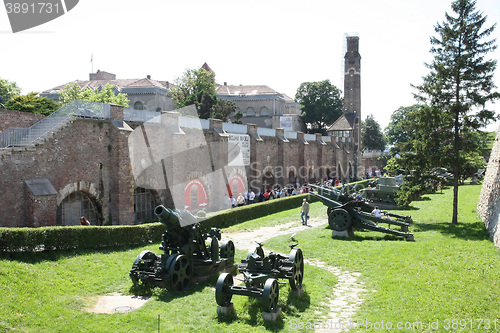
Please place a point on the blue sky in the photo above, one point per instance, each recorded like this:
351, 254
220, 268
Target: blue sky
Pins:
276, 43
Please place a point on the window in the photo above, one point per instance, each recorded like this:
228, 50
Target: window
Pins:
250, 112
138, 106
143, 205
264, 111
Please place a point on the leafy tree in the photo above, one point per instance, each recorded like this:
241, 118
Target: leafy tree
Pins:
371, 134
196, 87
321, 104
237, 117
397, 132
223, 109
8, 90
32, 103
460, 83
106, 94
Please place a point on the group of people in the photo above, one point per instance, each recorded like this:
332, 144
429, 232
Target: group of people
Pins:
250, 197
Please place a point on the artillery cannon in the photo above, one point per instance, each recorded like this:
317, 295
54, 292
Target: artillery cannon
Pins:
261, 276
186, 255
344, 212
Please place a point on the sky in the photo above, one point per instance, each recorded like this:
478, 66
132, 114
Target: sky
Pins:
275, 43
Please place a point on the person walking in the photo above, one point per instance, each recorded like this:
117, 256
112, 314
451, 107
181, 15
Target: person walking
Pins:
304, 212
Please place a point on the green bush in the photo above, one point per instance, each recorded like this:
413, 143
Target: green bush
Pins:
81, 237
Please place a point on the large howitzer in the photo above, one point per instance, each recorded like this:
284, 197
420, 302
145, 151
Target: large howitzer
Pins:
344, 212
261, 276
186, 255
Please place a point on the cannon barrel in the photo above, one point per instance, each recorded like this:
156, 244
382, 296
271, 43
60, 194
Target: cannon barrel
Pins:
170, 218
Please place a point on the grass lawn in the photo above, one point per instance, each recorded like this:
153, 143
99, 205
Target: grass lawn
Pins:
448, 273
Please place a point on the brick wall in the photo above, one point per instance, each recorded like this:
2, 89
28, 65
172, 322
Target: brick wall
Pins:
93, 157
10, 118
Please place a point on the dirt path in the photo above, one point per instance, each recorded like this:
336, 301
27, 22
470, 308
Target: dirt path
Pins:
346, 296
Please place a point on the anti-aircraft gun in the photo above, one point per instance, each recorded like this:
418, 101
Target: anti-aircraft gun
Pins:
344, 212
261, 274
186, 255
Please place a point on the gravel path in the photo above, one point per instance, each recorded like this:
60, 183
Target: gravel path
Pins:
346, 296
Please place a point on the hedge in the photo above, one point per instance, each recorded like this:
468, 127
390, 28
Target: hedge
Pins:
98, 237
77, 237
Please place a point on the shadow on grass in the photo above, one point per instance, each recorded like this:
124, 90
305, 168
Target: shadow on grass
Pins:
294, 305
469, 231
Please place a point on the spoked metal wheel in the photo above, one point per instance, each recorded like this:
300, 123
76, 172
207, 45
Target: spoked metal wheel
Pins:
258, 250
297, 259
227, 250
180, 271
339, 219
270, 295
223, 292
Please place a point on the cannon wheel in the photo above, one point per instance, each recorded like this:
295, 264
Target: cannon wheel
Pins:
258, 250
339, 219
223, 292
227, 250
297, 259
179, 272
270, 295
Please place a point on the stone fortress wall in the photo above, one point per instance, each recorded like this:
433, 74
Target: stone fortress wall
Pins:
488, 205
91, 159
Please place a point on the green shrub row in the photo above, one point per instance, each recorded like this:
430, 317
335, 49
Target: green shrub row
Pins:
249, 212
77, 237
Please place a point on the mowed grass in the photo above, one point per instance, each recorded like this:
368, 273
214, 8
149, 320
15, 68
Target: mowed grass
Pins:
49, 292
449, 272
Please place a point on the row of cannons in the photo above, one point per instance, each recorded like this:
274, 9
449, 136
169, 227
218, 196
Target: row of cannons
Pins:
188, 258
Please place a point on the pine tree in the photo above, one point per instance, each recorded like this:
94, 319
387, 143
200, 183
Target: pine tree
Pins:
460, 82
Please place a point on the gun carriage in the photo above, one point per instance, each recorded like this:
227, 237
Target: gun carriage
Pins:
344, 212
261, 276
186, 254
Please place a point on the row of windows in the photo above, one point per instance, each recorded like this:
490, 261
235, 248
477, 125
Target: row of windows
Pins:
341, 133
250, 112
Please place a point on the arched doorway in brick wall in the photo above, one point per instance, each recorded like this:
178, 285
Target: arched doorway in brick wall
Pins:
144, 205
76, 205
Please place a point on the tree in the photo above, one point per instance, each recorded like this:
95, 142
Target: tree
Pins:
106, 94
460, 82
223, 109
397, 132
32, 103
371, 134
321, 104
196, 87
8, 90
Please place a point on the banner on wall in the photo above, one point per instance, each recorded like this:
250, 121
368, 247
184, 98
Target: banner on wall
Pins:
238, 149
